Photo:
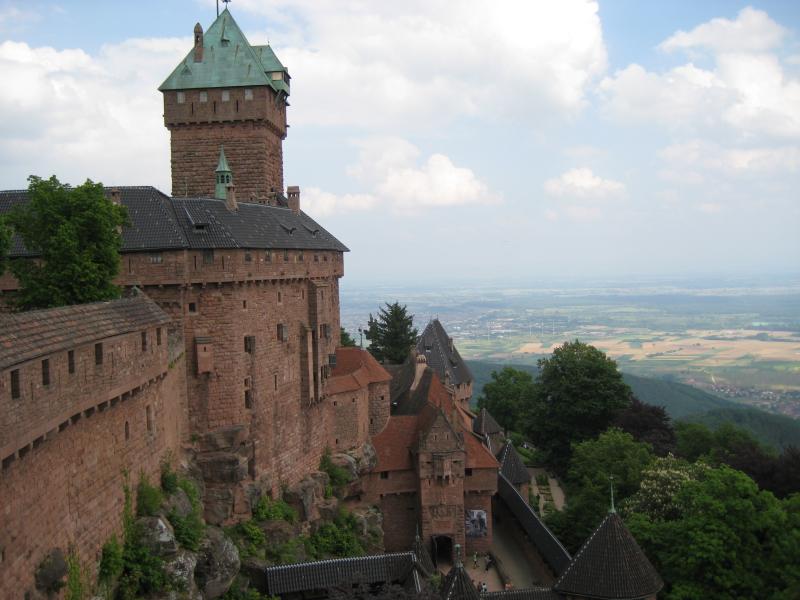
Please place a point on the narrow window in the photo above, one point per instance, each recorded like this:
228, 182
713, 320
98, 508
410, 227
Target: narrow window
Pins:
275, 381
71, 361
384, 474
280, 297
300, 256
316, 258
46, 371
249, 343
226, 96
248, 94
158, 336
208, 257
203, 97
127, 431
148, 411
15, 388
192, 308
181, 97
285, 256
98, 354
144, 341
248, 399
268, 256
156, 258
248, 257
244, 304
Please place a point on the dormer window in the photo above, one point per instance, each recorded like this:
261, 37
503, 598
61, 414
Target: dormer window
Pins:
203, 97
248, 94
181, 96
226, 96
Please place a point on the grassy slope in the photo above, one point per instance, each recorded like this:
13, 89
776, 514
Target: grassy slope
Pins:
683, 402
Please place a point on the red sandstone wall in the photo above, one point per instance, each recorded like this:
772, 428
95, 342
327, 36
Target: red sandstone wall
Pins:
483, 502
399, 521
379, 407
68, 490
349, 412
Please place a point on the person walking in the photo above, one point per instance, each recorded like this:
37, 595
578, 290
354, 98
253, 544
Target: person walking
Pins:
475, 560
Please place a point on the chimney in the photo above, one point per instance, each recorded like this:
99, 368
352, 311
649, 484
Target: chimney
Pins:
198, 43
293, 192
420, 364
230, 198
116, 198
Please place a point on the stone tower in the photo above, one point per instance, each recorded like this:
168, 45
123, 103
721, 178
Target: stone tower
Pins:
227, 92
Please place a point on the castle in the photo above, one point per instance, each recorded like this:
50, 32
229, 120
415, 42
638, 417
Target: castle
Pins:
225, 351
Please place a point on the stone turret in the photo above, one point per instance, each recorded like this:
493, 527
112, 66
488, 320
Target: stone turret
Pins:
223, 176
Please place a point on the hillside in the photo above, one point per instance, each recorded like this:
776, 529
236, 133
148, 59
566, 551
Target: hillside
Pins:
683, 402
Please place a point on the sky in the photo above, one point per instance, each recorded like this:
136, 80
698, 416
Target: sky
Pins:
492, 140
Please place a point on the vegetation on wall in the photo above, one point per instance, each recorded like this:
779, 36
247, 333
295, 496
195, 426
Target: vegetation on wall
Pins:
75, 235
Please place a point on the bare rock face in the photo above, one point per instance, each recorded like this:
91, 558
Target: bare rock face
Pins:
181, 569
217, 504
366, 458
217, 564
225, 439
305, 495
158, 536
278, 532
347, 462
178, 503
49, 576
222, 467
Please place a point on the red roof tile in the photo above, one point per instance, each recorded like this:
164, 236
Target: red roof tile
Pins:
355, 369
478, 455
393, 444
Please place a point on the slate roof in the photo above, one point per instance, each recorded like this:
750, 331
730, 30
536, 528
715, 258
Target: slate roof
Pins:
434, 343
423, 556
404, 400
28, 335
325, 574
457, 585
485, 424
610, 564
536, 593
512, 465
158, 222
228, 61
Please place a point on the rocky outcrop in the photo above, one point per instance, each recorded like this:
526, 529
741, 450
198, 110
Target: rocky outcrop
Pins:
181, 570
217, 564
50, 574
306, 495
158, 536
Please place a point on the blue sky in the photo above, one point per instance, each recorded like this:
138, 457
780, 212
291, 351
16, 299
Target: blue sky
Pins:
494, 140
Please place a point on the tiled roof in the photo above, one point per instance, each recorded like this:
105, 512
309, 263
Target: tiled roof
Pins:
485, 424
443, 357
537, 593
228, 61
158, 222
512, 465
355, 369
610, 564
393, 444
326, 574
28, 335
478, 456
457, 585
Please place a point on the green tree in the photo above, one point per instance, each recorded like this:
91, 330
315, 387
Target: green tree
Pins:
693, 440
726, 540
648, 423
5, 244
659, 487
345, 339
392, 335
579, 393
614, 454
508, 396
75, 234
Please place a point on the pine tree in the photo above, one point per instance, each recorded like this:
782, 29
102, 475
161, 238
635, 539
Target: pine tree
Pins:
392, 335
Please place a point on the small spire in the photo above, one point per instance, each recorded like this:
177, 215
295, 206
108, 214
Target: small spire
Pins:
224, 177
458, 555
611, 482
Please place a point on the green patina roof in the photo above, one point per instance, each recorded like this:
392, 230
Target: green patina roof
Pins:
228, 61
222, 165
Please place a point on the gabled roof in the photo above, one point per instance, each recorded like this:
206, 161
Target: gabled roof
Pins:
326, 574
442, 356
610, 564
512, 465
355, 369
28, 335
485, 424
393, 444
158, 222
457, 585
228, 61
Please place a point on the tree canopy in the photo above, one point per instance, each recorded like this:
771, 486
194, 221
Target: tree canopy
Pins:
725, 539
392, 335
508, 396
579, 393
648, 423
74, 232
345, 339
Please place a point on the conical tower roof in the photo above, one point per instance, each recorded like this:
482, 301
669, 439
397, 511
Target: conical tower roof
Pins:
423, 556
222, 165
458, 586
610, 565
512, 465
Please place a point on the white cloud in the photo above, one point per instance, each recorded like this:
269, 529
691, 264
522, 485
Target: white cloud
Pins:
390, 169
753, 30
709, 208
747, 91
427, 61
582, 183
79, 115
705, 155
